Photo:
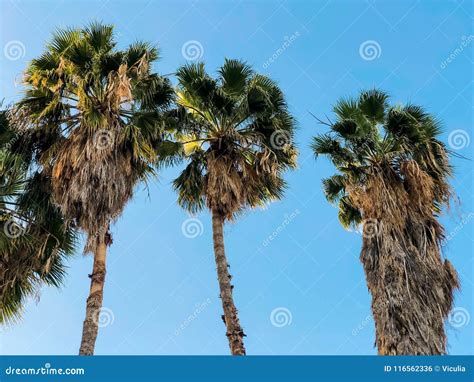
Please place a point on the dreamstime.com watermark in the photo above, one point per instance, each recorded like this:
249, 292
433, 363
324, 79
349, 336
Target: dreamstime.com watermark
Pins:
277, 53
13, 229
459, 317
465, 41
362, 325
370, 50
192, 50
465, 220
370, 228
192, 228
44, 370
459, 139
199, 309
280, 139
288, 218
105, 318
104, 139
14, 50
280, 317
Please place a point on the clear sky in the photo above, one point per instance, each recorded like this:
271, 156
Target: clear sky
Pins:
161, 293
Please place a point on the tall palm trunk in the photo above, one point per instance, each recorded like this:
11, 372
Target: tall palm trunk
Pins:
94, 301
235, 334
411, 287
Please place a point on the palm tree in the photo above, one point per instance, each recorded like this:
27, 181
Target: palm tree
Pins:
34, 238
393, 179
237, 135
93, 115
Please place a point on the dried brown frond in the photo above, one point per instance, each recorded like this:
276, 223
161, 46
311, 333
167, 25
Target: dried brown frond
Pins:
93, 180
382, 197
225, 190
411, 285
412, 290
419, 186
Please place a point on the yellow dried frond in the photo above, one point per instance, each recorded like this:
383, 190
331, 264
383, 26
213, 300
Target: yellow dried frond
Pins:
34, 79
143, 65
182, 100
61, 67
57, 86
191, 147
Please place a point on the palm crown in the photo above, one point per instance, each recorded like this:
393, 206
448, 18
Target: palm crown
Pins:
92, 114
34, 238
237, 135
370, 141
393, 176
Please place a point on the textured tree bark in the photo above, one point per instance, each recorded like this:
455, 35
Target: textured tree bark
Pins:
235, 334
94, 301
412, 290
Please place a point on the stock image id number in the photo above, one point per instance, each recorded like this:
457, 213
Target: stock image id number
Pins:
408, 368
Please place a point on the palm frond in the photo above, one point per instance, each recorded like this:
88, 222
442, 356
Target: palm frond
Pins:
235, 76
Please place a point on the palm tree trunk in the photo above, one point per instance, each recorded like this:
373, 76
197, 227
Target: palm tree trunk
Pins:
412, 290
94, 301
235, 334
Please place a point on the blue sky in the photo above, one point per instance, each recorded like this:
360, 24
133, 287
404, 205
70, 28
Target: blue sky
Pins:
161, 294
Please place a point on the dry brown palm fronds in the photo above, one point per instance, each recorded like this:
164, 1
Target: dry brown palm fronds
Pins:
412, 287
382, 198
419, 186
93, 180
412, 290
119, 88
225, 190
